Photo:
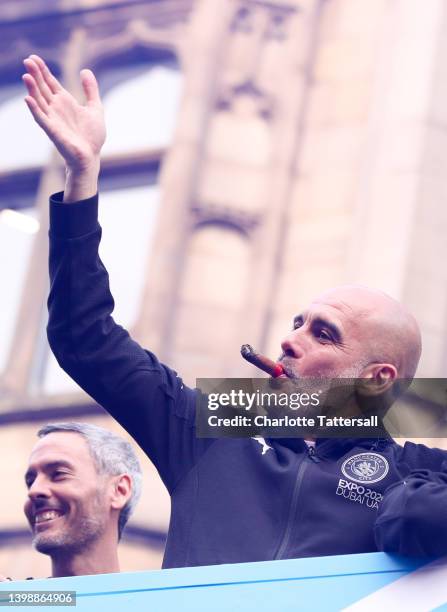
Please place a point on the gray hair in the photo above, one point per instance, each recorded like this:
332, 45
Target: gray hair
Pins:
112, 455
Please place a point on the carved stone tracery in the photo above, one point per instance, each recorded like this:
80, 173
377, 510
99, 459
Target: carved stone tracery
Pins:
139, 22
265, 23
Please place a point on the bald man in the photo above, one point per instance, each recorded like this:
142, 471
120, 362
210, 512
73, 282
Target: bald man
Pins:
376, 337
236, 500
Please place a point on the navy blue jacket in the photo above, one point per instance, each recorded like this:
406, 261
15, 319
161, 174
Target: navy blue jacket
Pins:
234, 500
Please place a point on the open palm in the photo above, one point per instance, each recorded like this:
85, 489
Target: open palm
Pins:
77, 130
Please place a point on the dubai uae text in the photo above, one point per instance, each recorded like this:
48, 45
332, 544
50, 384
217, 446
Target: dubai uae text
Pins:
286, 421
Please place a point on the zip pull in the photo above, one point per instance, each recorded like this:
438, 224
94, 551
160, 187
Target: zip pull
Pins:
312, 454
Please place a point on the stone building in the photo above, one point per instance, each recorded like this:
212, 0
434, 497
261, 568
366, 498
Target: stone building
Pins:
258, 152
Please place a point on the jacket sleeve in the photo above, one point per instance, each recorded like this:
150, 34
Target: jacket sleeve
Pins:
147, 398
412, 518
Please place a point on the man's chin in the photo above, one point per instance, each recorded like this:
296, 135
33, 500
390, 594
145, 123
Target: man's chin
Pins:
73, 540
48, 544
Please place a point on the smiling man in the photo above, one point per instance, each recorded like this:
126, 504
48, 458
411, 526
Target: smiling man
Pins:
233, 501
83, 483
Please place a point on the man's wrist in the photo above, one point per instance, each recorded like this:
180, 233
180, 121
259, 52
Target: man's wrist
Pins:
81, 184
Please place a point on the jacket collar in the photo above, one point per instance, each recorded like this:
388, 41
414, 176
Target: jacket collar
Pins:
333, 447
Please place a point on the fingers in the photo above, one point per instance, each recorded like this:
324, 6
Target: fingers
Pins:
90, 87
35, 93
39, 116
51, 81
42, 85
34, 70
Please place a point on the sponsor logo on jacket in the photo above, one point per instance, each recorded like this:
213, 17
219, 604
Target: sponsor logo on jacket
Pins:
361, 470
365, 468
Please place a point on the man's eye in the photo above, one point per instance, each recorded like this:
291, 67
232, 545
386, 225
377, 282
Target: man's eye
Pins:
296, 324
324, 335
58, 475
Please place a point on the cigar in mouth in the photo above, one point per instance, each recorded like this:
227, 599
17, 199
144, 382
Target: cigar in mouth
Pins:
261, 361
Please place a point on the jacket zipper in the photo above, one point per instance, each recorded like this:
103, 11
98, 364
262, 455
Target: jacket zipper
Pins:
292, 511
312, 454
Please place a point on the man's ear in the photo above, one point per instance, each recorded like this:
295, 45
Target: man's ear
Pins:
377, 378
121, 491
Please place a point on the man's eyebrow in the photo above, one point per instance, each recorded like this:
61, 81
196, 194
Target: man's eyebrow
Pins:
59, 463
29, 474
332, 327
299, 318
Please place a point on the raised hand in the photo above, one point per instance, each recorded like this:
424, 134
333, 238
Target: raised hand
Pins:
77, 130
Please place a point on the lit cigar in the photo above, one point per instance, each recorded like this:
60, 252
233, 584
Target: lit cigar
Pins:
261, 362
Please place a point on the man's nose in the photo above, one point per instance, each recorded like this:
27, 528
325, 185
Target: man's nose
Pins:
39, 489
293, 345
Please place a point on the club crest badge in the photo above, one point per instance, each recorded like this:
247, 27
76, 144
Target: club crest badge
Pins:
365, 467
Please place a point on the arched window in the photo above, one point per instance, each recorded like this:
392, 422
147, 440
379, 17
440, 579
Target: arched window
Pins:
24, 145
141, 111
17, 229
24, 152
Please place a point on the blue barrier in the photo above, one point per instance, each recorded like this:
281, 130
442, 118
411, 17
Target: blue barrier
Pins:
357, 582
